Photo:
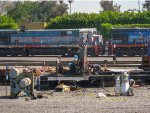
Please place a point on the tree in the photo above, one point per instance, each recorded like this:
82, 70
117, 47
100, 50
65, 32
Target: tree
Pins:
106, 28
4, 5
111, 18
146, 5
28, 11
107, 5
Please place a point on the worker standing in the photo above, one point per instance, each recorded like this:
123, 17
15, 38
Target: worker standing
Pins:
114, 59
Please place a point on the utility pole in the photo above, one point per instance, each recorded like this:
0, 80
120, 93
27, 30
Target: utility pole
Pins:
61, 1
139, 5
70, 2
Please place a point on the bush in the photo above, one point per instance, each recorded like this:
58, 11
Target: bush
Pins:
106, 28
100, 21
7, 23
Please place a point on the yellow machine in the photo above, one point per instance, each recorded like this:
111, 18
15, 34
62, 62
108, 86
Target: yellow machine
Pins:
34, 25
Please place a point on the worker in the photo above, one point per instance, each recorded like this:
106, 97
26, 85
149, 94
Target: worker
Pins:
105, 64
95, 69
78, 70
58, 59
60, 68
72, 68
131, 83
114, 59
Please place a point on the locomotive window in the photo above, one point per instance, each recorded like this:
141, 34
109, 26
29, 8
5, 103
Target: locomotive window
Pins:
120, 35
69, 32
4, 39
123, 37
63, 33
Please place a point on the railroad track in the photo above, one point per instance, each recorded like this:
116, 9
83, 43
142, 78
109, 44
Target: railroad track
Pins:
51, 58
65, 56
66, 63
51, 61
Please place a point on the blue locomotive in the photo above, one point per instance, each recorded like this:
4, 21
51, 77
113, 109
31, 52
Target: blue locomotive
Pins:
130, 41
48, 42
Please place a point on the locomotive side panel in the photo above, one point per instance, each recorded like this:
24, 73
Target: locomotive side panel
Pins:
45, 37
46, 41
58, 41
4, 39
130, 41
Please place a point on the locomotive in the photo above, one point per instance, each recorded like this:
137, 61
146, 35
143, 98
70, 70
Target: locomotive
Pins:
48, 42
130, 41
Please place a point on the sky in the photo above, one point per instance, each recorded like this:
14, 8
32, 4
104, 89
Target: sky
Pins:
93, 6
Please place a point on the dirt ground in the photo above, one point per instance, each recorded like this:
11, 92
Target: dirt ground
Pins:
79, 101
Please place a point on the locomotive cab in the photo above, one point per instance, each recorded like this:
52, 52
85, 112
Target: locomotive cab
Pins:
94, 41
130, 41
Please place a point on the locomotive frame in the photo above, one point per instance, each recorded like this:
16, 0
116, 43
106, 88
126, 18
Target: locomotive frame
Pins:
64, 42
130, 41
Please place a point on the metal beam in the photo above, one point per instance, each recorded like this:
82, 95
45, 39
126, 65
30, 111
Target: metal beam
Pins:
67, 78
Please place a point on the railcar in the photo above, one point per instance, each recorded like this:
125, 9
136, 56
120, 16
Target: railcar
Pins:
48, 42
130, 41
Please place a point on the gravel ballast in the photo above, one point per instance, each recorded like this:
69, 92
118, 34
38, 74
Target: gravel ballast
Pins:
79, 101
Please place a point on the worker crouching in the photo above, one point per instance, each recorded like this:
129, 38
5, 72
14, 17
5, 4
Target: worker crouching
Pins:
124, 84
